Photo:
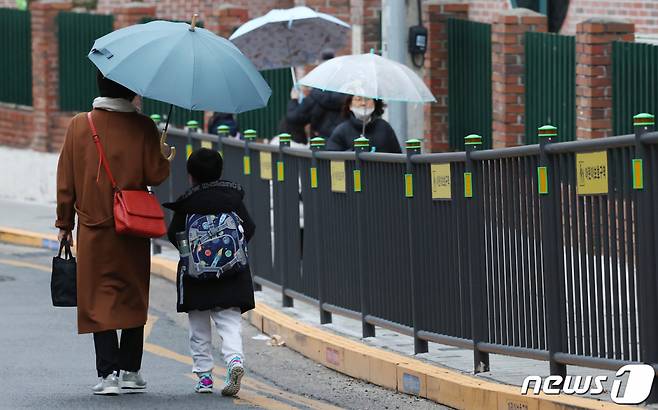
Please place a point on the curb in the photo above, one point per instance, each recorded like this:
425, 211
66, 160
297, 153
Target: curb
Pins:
357, 360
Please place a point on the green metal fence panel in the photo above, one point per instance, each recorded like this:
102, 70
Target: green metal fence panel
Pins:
77, 74
469, 84
179, 116
634, 83
266, 120
550, 85
16, 60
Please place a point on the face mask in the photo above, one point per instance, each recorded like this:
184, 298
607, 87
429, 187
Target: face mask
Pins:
362, 113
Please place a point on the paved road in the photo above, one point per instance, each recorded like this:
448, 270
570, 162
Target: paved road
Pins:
45, 365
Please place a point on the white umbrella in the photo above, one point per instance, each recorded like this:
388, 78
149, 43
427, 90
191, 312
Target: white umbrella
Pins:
369, 75
289, 37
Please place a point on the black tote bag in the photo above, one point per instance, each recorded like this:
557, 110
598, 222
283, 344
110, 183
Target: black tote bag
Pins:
62, 282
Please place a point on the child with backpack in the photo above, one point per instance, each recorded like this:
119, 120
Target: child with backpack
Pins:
211, 227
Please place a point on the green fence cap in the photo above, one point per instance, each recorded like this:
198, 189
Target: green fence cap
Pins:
284, 137
547, 131
250, 134
361, 142
413, 143
317, 142
156, 117
224, 129
193, 124
643, 119
473, 139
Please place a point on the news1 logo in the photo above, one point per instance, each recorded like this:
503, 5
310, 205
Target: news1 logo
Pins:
636, 390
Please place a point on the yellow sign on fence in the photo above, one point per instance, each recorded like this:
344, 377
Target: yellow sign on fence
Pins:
266, 165
592, 173
441, 181
338, 176
206, 144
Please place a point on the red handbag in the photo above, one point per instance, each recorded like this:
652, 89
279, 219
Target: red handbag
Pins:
136, 213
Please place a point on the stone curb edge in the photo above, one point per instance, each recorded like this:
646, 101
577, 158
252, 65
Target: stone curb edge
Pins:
377, 366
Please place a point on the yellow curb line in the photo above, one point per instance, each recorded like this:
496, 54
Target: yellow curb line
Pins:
355, 359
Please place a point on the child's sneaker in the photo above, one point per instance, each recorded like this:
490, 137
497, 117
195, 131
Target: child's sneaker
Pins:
204, 385
234, 375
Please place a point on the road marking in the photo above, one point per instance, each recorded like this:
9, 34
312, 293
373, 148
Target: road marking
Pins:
252, 385
248, 396
20, 264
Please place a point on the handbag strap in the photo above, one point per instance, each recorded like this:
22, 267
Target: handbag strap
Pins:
66, 246
102, 160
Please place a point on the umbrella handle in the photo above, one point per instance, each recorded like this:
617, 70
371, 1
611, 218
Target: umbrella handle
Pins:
164, 146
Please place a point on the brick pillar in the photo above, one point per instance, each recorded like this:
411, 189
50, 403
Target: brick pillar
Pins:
226, 18
594, 75
45, 69
131, 13
436, 71
508, 64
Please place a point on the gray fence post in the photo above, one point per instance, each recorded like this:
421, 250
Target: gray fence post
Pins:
642, 169
156, 248
420, 345
479, 317
361, 145
222, 132
317, 144
284, 141
247, 165
192, 126
547, 185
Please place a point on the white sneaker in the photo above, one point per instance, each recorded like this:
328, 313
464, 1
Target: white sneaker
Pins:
233, 377
108, 386
132, 380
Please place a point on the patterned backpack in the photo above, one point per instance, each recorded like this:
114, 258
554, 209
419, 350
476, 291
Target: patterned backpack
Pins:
213, 246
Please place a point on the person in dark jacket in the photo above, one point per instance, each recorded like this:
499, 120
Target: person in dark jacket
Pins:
223, 299
321, 109
356, 111
223, 118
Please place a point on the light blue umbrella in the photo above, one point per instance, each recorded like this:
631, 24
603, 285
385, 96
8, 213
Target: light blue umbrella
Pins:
183, 65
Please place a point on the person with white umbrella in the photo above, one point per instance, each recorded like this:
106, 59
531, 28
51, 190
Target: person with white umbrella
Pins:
371, 79
363, 116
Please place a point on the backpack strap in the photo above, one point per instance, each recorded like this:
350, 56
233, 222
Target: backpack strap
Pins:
102, 160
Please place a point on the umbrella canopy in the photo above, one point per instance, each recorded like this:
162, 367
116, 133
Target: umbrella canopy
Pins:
289, 37
176, 63
369, 75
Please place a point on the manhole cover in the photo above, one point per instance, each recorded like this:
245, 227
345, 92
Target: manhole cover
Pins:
6, 278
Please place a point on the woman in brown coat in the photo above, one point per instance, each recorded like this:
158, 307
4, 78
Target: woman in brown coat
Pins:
113, 270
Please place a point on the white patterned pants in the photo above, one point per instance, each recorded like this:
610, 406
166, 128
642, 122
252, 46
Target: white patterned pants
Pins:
229, 326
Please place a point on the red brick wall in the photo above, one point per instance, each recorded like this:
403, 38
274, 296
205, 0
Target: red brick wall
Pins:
16, 126
184, 9
594, 75
643, 13
8, 4
486, 11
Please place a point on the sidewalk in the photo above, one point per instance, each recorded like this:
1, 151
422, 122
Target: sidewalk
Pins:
504, 369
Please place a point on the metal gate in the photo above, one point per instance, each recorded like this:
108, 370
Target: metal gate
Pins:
77, 74
469, 81
16, 61
634, 83
266, 120
550, 84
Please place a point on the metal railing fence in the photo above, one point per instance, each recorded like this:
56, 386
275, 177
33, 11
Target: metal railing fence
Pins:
509, 251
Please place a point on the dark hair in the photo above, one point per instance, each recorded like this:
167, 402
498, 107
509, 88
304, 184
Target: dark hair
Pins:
379, 108
205, 165
328, 54
109, 88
